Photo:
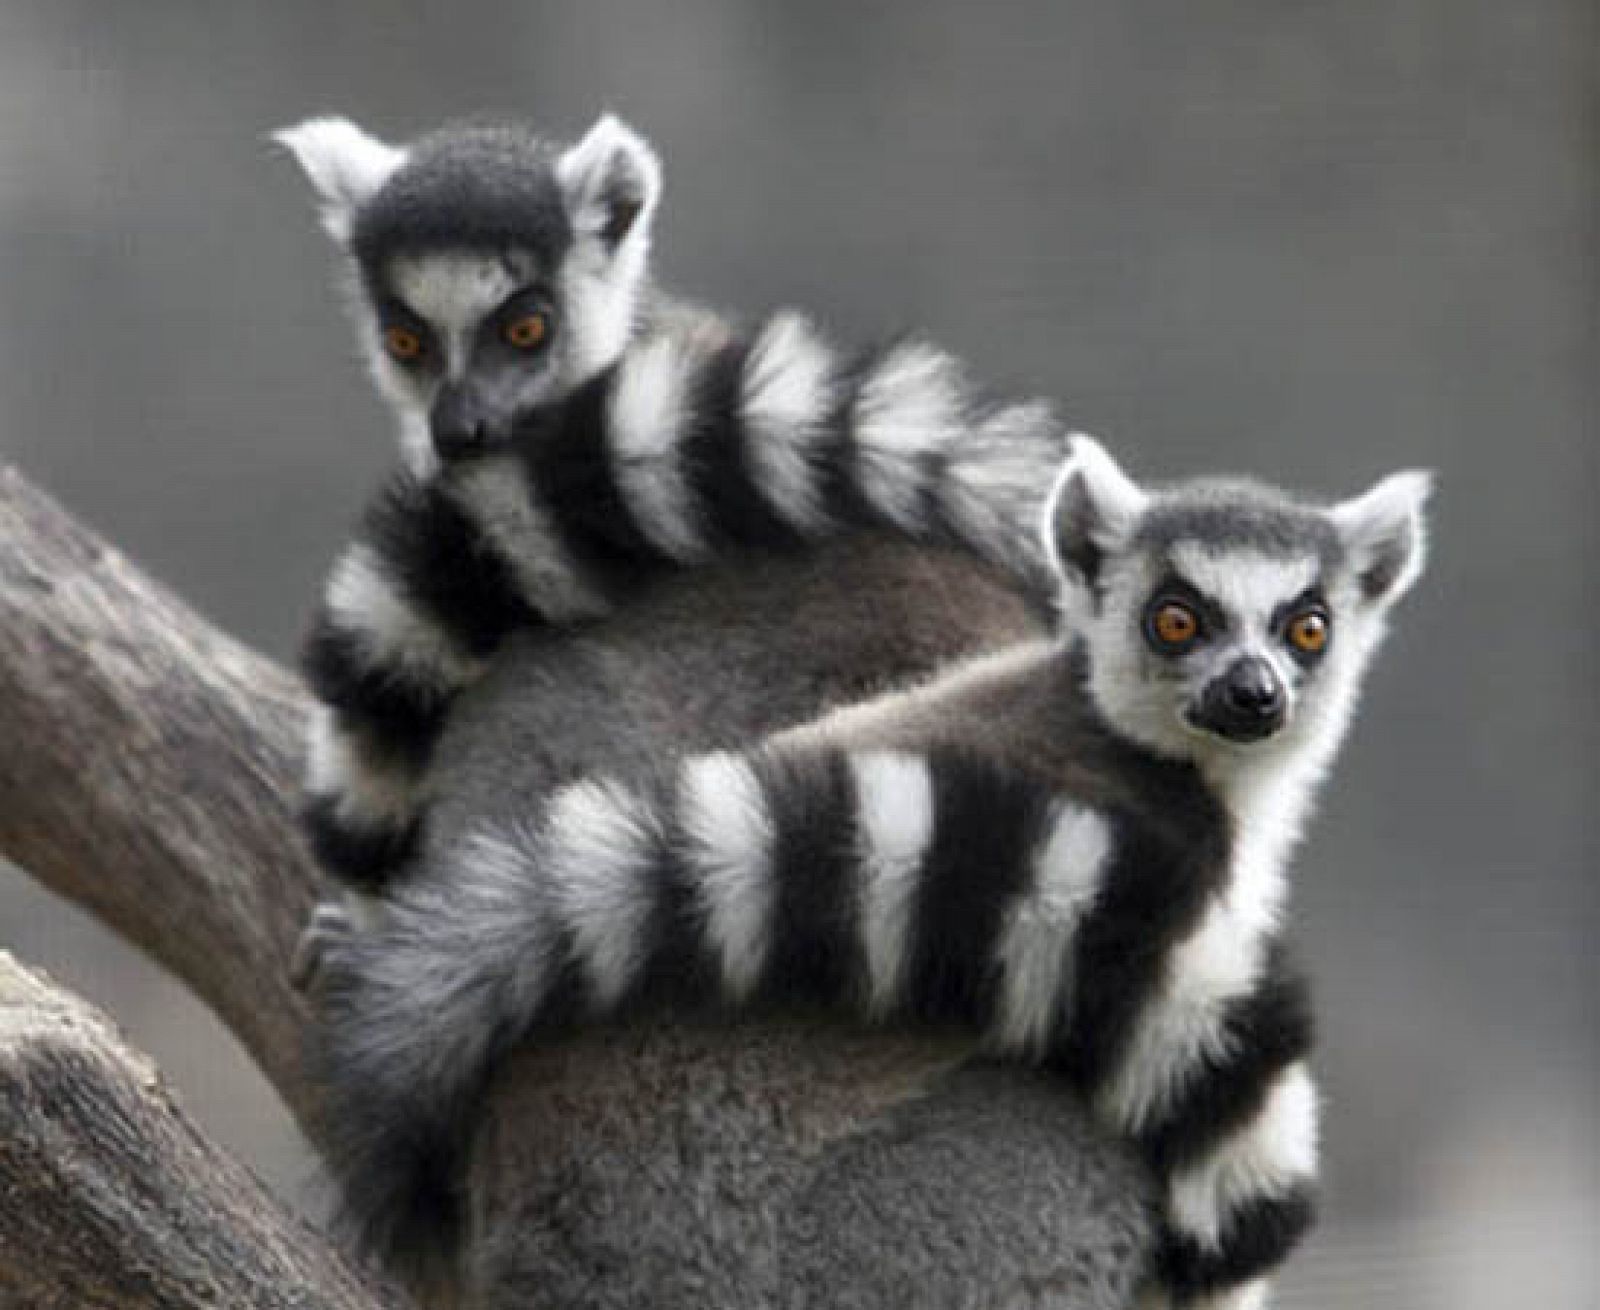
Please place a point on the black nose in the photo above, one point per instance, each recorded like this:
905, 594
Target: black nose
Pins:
1253, 690
1244, 704
458, 423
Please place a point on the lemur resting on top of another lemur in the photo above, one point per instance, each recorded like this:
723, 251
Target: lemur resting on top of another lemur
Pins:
1075, 849
496, 275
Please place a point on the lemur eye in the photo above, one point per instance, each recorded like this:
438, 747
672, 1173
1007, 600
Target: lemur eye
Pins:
402, 344
526, 331
1174, 624
1308, 632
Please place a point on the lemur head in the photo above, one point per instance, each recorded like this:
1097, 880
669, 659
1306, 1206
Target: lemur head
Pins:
495, 271
1225, 621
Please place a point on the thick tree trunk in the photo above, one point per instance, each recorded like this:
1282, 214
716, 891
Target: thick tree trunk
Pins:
147, 773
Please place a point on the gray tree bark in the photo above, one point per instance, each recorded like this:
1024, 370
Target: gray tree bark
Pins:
148, 772
114, 1199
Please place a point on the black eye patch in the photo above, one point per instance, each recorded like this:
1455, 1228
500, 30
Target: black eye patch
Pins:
530, 301
1311, 598
1174, 586
390, 309
1305, 625
407, 338
1173, 590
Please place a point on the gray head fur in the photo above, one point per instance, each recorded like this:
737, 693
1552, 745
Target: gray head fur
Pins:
494, 270
1225, 622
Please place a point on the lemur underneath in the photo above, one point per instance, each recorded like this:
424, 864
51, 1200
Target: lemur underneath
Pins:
1074, 849
496, 275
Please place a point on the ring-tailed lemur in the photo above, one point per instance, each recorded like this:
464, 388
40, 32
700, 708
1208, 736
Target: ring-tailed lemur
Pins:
551, 464
1074, 849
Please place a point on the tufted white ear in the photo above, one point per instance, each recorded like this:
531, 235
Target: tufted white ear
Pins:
345, 166
1093, 508
612, 181
1384, 531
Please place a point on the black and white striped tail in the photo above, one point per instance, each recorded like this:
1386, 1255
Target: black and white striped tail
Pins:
690, 446
687, 448
411, 613
890, 886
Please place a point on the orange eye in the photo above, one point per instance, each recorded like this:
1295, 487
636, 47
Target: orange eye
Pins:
402, 344
1308, 632
526, 332
1174, 624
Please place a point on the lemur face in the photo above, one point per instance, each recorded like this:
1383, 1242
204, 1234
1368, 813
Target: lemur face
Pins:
1225, 619
1199, 643
494, 273
471, 340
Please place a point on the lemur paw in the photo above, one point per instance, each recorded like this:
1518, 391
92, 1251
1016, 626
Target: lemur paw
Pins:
323, 943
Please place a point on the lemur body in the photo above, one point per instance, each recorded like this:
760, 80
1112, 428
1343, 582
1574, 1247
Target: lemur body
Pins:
1073, 850
498, 276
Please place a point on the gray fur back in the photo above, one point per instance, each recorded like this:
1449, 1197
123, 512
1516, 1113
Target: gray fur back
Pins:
717, 657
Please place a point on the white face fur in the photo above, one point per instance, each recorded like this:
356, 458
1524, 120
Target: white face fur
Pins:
1174, 625
449, 299
461, 304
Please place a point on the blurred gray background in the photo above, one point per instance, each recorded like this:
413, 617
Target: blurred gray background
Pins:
1313, 241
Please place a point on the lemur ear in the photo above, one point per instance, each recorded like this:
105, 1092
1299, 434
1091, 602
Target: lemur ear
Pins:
345, 166
1094, 508
1384, 532
612, 180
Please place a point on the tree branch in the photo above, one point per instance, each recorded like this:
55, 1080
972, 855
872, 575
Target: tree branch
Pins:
148, 773
113, 1198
